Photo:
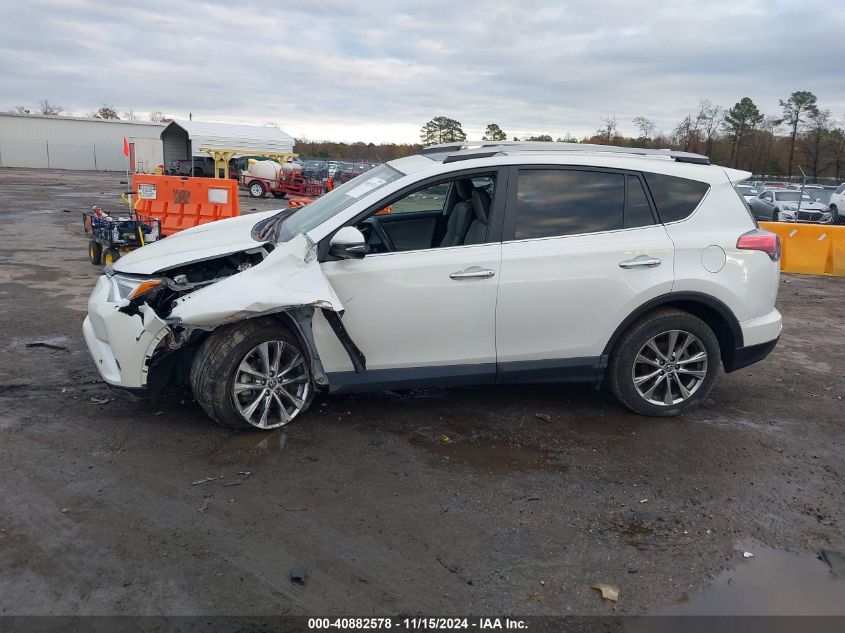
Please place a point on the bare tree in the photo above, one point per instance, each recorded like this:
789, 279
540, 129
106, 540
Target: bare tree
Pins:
710, 116
50, 109
130, 115
608, 129
646, 127
156, 117
106, 111
814, 140
21, 110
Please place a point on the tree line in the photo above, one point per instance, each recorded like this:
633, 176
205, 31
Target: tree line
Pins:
106, 111
801, 134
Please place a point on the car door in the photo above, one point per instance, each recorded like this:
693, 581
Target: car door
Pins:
582, 249
419, 316
763, 206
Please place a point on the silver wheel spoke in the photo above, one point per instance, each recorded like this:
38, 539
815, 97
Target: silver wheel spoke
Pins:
642, 359
296, 401
653, 347
673, 339
289, 381
245, 368
697, 358
651, 390
647, 377
264, 354
685, 393
291, 364
277, 357
283, 411
264, 415
683, 348
247, 413
689, 372
242, 387
667, 397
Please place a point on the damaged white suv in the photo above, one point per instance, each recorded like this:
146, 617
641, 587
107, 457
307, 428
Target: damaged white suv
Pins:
493, 263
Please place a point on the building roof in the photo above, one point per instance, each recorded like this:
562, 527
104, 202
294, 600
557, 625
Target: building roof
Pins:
63, 117
249, 138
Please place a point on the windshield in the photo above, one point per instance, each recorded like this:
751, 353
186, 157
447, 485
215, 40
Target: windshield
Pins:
313, 215
793, 196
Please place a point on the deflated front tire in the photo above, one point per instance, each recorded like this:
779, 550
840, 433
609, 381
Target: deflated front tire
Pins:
252, 374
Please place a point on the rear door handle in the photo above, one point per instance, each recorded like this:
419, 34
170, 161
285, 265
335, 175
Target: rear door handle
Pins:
637, 262
473, 272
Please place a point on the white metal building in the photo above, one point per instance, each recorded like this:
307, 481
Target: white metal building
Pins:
184, 139
64, 142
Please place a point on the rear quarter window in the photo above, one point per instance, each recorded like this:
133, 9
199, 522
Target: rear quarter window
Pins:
675, 198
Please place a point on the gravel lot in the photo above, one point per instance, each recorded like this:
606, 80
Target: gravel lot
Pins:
135, 508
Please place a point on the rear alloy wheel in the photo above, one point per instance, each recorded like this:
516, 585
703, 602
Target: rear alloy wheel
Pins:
665, 364
253, 374
256, 189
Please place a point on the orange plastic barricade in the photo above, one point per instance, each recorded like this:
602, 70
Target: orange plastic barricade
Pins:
813, 249
181, 203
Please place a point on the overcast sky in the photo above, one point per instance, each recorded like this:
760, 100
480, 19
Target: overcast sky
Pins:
376, 71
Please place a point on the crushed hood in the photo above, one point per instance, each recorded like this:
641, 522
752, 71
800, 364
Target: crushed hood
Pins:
205, 241
289, 276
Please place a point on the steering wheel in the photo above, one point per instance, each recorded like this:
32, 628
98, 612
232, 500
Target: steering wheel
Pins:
373, 224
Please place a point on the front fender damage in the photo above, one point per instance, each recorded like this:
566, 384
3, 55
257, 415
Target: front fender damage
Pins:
288, 283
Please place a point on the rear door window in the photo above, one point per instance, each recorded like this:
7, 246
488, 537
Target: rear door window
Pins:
557, 202
675, 198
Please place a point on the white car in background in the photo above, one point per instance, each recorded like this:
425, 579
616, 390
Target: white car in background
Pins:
747, 191
497, 263
837, 204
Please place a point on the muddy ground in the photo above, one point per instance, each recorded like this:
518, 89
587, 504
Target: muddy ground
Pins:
122, 507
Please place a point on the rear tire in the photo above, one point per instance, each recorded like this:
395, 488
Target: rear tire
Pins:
279, 194
776, 215
95, 252
689, 380
834, 215
227, 374
257, 189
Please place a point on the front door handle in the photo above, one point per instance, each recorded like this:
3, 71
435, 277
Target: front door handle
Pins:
647, 262
473, 272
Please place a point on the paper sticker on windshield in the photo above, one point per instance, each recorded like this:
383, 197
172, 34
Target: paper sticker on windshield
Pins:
363, 188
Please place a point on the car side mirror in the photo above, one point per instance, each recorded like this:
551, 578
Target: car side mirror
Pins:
348, 243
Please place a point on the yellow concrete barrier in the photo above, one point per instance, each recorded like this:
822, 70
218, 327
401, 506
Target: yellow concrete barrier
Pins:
812, 249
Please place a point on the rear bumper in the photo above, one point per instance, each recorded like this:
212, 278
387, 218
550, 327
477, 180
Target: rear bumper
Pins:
745, 356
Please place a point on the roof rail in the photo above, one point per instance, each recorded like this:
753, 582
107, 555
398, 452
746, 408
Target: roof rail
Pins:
479, 147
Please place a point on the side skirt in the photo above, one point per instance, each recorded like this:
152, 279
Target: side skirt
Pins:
543, 371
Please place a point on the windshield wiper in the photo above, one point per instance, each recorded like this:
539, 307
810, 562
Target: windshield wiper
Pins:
268, 230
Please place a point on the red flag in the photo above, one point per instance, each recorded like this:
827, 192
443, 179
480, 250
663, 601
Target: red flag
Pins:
125, 147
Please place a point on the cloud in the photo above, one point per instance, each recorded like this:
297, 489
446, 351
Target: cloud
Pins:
378, 70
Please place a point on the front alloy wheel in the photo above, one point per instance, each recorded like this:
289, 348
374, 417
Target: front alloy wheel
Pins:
254, 374
271, 385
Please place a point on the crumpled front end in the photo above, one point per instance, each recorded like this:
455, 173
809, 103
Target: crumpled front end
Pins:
131, 337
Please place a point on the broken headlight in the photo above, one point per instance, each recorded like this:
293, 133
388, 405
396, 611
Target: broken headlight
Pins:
123, 287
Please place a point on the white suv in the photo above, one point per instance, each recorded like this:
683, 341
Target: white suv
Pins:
837, 205
494, 263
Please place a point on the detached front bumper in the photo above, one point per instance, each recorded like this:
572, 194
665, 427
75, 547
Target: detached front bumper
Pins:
121, 345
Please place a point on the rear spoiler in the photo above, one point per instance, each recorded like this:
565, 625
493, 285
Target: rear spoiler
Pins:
736, 175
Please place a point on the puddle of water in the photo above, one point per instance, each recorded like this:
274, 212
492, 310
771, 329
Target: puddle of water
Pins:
773, 582
255, 442
494, 456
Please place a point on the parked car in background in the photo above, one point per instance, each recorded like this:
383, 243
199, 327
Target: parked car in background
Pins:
747, 191
836, 204
781, 205
315, 169
202, 166
773, 185
638, 269
352, 171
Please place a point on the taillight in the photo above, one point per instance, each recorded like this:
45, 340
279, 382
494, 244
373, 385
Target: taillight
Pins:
760, 240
